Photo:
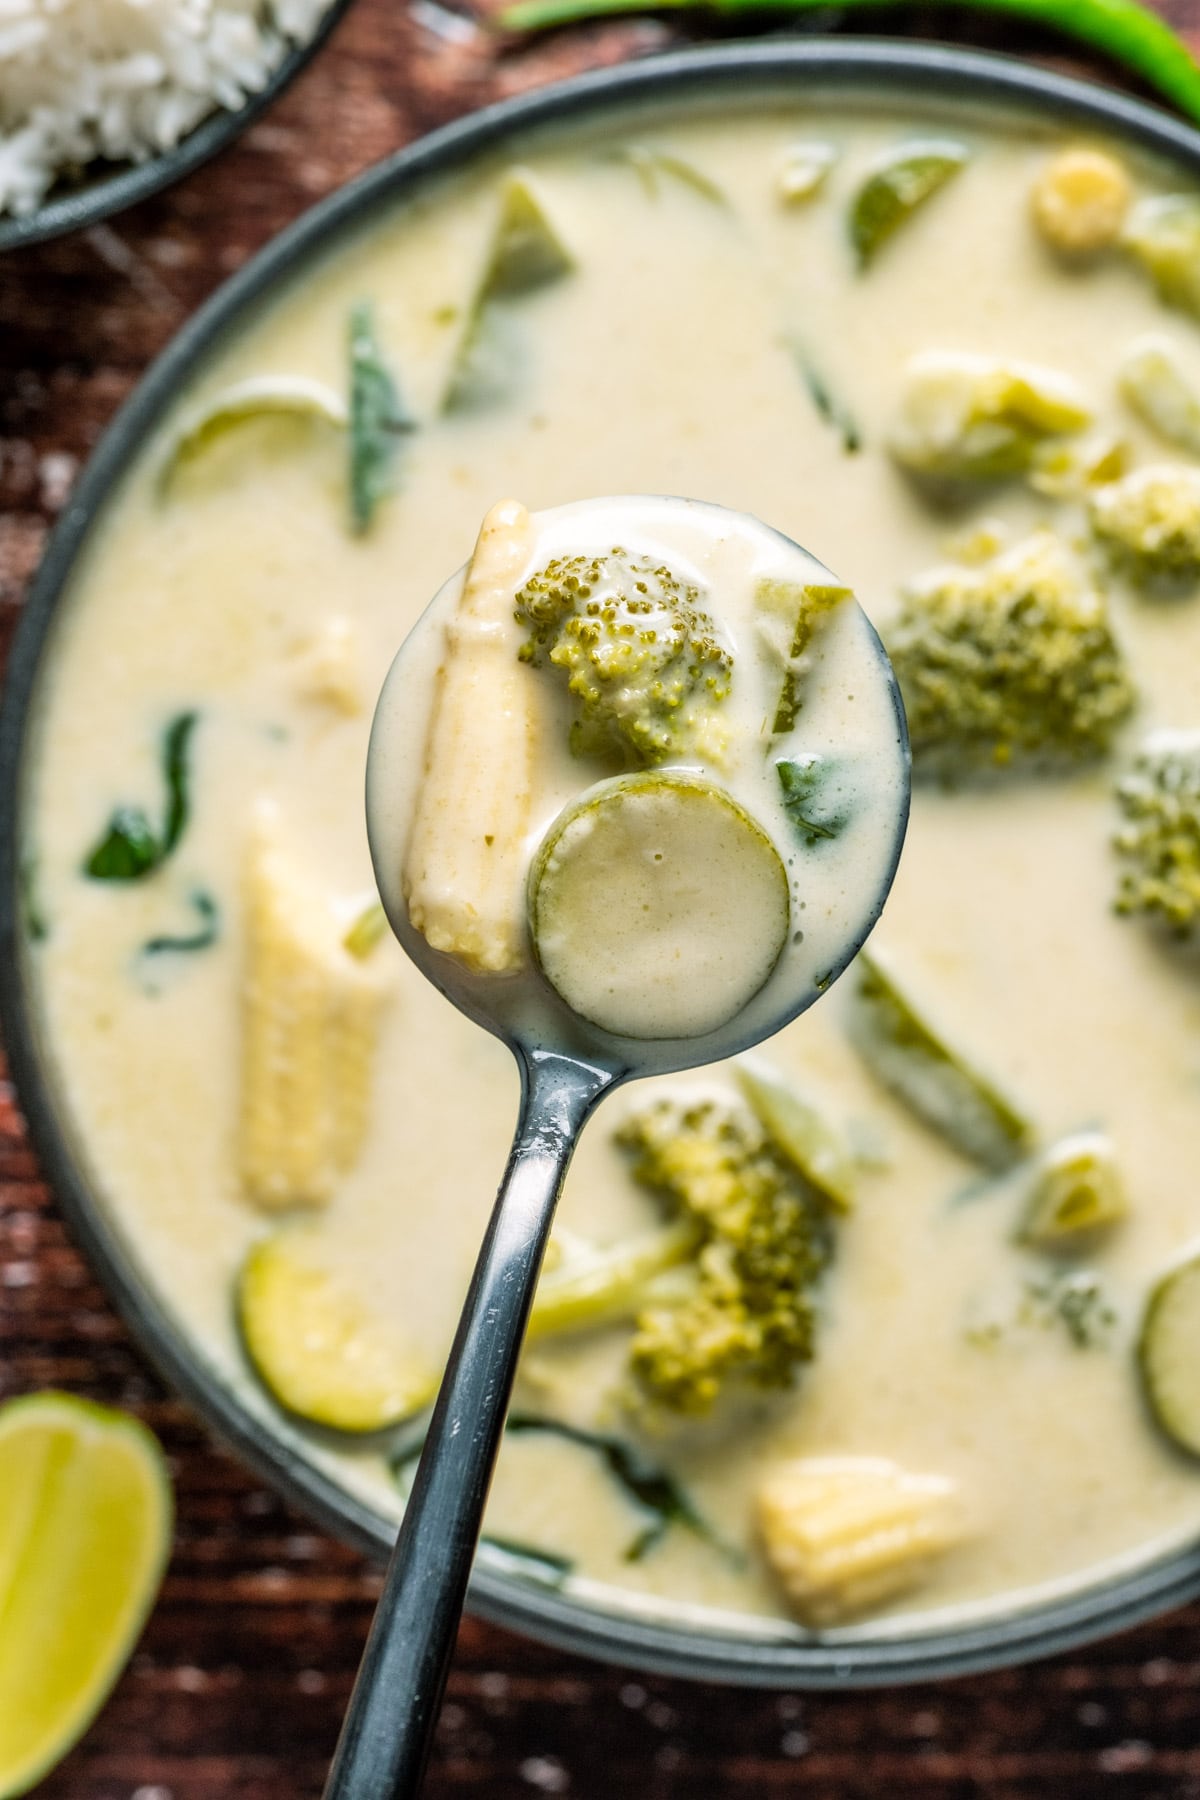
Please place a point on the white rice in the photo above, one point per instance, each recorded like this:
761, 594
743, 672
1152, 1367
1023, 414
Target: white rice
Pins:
124, 79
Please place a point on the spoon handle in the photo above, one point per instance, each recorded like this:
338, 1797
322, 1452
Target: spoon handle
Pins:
393, 1710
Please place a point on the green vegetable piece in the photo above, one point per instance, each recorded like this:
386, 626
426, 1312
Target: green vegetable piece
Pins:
1070, 468
33, 912
747, 1317
378, 420
909, 178
1168, 1354
542, 1566
641, 658
1163, 236
1155, 385
804, 171
317, 1347
205, 935
650, 860
649, 1488
965, 418
790, 616
934, 1078
1010, 666
826, 404
130, 847
804, 781
369, 929
1075, 1300
527, 253
1149, 522
1128, 32
802, 1133
259, 397
604, 1286
1077, 1192
1159, 843
650, 166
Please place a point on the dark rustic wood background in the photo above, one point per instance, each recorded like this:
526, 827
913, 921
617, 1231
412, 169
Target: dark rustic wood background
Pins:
239, 1683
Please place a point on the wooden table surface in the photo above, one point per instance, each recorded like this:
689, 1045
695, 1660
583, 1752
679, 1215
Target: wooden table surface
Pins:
240, 1680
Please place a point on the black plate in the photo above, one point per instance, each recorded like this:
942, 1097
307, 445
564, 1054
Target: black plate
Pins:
811, 71
72, 207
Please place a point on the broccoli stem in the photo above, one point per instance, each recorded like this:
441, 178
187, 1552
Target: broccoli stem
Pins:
610, 1285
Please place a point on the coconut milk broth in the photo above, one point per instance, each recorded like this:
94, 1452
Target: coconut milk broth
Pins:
665, 366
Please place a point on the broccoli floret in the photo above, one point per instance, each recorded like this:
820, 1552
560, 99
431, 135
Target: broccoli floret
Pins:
1011, 662
1150, 524
746, 1312
721, 1293
642, 659
1159, 844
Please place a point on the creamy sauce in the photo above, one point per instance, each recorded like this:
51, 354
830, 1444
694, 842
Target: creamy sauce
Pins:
664, 365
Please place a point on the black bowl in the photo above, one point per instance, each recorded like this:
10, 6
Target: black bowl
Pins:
75, 205
774, 1655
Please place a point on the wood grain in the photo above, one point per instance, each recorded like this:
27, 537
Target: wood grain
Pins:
239, 1683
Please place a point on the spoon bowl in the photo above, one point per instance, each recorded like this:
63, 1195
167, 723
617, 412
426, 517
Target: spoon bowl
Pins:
567, 1066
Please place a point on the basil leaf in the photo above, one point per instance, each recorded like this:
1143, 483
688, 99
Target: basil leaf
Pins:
650, 1488
803, 781
130, 847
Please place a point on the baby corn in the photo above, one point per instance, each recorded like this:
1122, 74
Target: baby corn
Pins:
846, 1534
465, 867
309, 1018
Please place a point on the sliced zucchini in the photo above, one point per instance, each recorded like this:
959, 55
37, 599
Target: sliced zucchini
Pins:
1077, 1192
317, 1346
1168, 1354
259, 397
630, 897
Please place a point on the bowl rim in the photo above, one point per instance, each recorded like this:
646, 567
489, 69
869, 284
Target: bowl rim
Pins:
799, 70
97, 199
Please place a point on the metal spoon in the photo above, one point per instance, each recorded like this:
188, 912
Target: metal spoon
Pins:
566, 1067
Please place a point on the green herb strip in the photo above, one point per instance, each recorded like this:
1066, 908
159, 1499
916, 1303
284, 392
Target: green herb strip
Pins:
33, 913
651, 165
649, 1487
206, 934
130, 847
828, 407
534, 1565
378, 421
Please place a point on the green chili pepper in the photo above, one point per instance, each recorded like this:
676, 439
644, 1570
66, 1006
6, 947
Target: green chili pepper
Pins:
378, 420
1124, 30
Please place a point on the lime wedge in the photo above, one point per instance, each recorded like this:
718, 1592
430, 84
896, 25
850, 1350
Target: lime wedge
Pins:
85, 1528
